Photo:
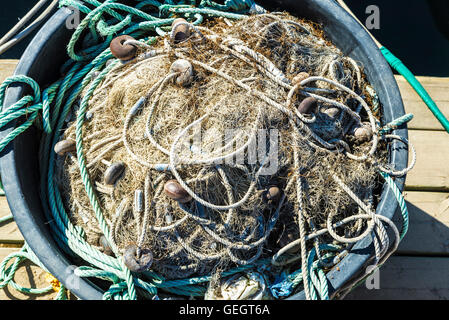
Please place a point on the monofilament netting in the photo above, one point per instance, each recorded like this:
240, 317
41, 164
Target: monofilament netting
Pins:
264, 126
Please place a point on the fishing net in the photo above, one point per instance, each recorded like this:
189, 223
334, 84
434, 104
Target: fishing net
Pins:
209, 150
221, 112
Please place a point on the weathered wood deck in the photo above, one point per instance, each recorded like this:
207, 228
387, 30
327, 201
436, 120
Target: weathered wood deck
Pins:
420, 268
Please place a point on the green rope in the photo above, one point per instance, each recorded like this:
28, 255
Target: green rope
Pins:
6, 218
408, 75
401, 201
7, 272
396, 123
317, 278
234, 5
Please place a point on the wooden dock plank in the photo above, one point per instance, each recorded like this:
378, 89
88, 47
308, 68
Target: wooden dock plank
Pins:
9, 232
437, 89
429, 224
431, 172
7, 67
408, 278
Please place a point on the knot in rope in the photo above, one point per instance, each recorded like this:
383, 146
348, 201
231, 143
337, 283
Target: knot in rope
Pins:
117, 292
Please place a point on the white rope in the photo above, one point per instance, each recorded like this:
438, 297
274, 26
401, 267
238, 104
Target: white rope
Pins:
412, 163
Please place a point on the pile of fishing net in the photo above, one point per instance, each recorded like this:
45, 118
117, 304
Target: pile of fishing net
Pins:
225, 145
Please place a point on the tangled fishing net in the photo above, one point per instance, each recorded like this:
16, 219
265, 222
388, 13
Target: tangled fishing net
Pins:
230, 157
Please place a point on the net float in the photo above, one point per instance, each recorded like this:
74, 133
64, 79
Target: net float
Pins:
180, 30
272, 194
137, 263
139, 201
185, 72
65, 146
308, 105
106, 246
121, 50
243, 286
174, 191
332, 112
113, 173
363, 133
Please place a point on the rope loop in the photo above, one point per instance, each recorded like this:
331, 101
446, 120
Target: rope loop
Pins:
16, 79
28, 105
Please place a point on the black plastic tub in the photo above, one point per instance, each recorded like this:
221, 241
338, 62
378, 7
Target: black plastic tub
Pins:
42, 60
